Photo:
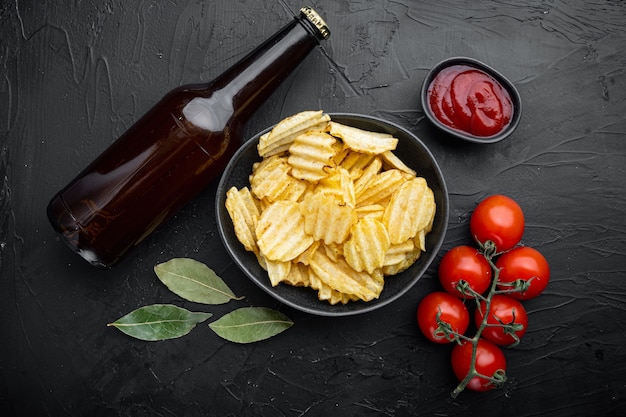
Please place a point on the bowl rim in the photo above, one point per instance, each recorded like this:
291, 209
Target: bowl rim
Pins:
504, 81
325, 309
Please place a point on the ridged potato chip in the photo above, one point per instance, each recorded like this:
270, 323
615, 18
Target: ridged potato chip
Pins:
400, 256
408, 260
271, 181
375, 211
327, 218
305, 257
341, 277
363, 141
409, 210
280, 232
270, 178
426, 215
380, 188
392, 161
366, 248
367, 175
326, 293
298, 275
277, 271
311, 154
342, 153
280, 138
420, 239
356, 162
334, 250
339, 184
398, 252
244, 214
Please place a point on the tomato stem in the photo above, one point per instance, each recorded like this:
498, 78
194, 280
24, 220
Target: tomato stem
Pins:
467, 291
488, 249
519, 285
445, 331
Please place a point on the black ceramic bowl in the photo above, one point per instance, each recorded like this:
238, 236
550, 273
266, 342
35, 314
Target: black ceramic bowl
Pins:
506, 84
410, 149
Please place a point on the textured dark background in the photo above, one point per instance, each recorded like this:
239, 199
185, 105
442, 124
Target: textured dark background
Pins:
75, 74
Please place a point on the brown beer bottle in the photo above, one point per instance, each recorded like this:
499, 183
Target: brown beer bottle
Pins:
174, 151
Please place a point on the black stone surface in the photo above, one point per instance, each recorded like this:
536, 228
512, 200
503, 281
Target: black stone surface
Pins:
75, 74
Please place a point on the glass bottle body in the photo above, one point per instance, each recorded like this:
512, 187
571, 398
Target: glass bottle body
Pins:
171, 153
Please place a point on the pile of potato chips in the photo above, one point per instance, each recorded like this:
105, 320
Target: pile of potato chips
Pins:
331, 207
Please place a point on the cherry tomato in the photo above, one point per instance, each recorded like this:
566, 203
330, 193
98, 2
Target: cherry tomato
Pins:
523, 263
451, 311
490, 362
464, 263
502, 310
499, 219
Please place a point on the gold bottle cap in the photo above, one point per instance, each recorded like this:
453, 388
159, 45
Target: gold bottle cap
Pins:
313, 17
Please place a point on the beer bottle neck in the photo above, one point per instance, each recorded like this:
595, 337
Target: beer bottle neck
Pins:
248, 83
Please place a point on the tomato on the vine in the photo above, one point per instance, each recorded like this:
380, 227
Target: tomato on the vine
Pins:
490, 362
526, 264
440, 315
464, 265
499, 219
507, 320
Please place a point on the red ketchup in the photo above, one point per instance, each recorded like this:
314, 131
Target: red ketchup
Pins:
468, 99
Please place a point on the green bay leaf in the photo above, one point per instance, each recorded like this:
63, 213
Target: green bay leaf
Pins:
159, 322
250, 324
194, 281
